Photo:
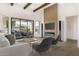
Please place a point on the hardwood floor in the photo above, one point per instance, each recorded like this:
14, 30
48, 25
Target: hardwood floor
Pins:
68, 48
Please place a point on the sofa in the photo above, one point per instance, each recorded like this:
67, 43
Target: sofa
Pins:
16, 50
13, 48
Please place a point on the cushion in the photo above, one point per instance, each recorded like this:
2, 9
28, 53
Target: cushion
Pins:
4, 41
11, 39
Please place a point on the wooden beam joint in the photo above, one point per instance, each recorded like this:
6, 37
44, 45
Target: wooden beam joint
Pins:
41, 7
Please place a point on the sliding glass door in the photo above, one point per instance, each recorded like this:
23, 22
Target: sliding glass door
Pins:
25, 27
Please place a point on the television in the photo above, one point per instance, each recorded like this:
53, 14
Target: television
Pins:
50, 26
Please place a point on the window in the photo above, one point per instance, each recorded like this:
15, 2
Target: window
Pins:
23, 26
15, 24
37, 27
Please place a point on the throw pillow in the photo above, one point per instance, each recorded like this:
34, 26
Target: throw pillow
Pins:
11, 39
4, 41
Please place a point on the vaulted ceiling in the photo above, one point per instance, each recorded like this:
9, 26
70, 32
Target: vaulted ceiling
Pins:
21, 9
25, 6
31, 6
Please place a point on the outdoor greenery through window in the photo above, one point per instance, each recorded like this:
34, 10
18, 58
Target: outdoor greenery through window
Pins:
22, 25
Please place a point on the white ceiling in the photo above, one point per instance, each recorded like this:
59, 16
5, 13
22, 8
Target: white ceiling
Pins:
21, 5
17, 9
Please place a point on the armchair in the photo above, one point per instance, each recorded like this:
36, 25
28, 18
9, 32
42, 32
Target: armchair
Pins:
43, 46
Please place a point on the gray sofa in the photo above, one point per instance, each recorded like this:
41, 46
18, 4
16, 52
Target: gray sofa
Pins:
22, 49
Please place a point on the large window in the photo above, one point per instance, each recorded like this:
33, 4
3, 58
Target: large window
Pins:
23, 26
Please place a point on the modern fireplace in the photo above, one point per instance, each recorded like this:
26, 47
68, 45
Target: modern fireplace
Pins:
49, 34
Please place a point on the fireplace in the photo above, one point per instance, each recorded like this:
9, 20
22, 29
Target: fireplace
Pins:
49, 34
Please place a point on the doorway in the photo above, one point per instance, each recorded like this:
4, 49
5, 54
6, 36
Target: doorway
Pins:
41, 30
71, 30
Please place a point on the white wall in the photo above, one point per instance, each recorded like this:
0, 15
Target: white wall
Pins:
38, 16
71, 27
78, 27
65, 10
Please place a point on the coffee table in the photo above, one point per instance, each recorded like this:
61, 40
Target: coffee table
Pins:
32, 41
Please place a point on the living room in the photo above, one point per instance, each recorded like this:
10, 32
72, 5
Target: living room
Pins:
31, 23
23, 23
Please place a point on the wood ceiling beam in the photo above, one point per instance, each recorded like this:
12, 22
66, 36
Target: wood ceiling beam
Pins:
45, 4
27, 5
